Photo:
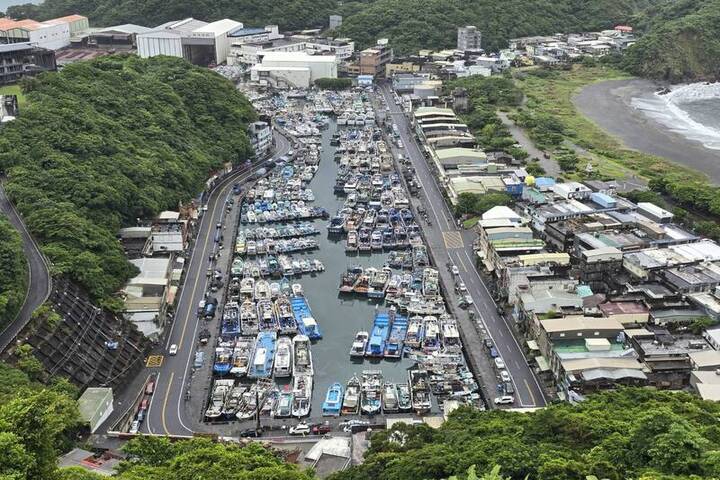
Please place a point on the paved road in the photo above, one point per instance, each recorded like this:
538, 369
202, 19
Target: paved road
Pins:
39, 281
551, 167
447, 241
167, 412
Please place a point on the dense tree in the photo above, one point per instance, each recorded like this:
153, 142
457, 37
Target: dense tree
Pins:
13, 272
477, 204
630, 433
333, 83
103, 143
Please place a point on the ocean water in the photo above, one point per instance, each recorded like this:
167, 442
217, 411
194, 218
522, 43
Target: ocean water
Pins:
691, 110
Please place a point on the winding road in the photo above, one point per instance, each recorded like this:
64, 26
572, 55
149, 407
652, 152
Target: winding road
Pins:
39, 280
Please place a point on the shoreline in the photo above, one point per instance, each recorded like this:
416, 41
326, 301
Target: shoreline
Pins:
608, 105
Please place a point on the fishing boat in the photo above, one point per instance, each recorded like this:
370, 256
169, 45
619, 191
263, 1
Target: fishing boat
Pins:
221, 388
396, 338
376, 240
333, 400
349, 278
420, 391
377, 283
357, 350
378, 335
404, 400
262, 364
351, 401
232, 401
390, 398
414, 336
266, 316
450, 334
302, 394
352, 241
262, 290
254, 398
285, 316
230, 326
248, 318
431, 340
302, 356
297, 290
241, 356
283, 408
303, 316
223, 358
283, 358
247, 288
371, 392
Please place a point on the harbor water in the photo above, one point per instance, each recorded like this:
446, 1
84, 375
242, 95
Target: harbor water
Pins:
339, 317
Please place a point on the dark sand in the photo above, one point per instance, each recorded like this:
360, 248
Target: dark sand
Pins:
608, 104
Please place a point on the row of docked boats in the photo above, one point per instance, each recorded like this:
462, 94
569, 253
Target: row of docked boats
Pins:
272, 246
371, 394
281, 213
279, 268
281, 231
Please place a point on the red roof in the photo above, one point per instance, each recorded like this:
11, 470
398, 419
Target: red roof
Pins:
623, 28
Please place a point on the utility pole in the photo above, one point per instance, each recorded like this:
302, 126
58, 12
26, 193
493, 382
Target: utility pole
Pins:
257, 410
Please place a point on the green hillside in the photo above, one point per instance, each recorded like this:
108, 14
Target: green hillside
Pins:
103, 143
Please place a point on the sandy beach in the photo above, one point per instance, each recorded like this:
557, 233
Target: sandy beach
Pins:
608, 104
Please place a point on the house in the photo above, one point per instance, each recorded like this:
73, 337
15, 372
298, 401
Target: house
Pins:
95, 406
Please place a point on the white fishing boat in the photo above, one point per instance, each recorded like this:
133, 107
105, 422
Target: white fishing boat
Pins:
357, 350
221, 388
242, 353
351, 401
283, 358
302, 394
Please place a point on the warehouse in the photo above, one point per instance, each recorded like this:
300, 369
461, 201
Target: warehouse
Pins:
293, 69
198, 42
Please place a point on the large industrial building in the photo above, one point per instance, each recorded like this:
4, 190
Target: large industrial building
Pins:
52, 34
293, 69
198, 42
21, 59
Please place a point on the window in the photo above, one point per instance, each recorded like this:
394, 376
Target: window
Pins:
579, 334
597, 333
562, 335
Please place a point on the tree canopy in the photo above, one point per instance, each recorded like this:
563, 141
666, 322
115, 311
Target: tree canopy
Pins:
13, 272
630, 433
105, 142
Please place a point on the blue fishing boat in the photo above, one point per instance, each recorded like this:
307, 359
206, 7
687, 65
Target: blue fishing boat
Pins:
262, 364
230, 327
223, 360
333, 401
306, 324
378, 336
396, 339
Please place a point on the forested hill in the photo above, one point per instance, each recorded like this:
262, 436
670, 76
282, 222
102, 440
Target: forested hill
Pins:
105, 142
681, 42
410, 24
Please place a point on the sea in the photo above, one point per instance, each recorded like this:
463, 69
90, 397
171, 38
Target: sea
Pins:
692, 110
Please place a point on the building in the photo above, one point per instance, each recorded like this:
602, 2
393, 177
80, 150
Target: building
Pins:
293, 69
335, 21
260, 138
18, 60
406, 82
468, 38
147, 295
373, 60
168, 233
50, 35
95, 406
119, 36
198, 42
440, 127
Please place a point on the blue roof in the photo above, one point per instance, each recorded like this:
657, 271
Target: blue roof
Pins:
246, 31
583, 291
544, 181
603, 198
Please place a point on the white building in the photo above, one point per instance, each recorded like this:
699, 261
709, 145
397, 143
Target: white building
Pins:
198, 42
260, 138
52, 35
293, 70
250, 46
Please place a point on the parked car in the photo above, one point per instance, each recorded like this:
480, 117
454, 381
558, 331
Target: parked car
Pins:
150, 388
134, 427
504, 375
300, 429
251, 433
488, 342
508, 387
455, 270
493, 352
505, 400
173, 349
499, 363
321, 428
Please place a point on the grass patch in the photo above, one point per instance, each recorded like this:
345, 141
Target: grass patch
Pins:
551, 94
471, 222
14, 90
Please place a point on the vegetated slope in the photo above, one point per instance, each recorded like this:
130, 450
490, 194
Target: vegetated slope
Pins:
289, 14
631, 433
13, 272
414, 24
681, 43
103, 143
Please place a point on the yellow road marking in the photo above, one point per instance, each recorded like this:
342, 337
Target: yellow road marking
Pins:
154, 361
532, 397
167, 394
453, 240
